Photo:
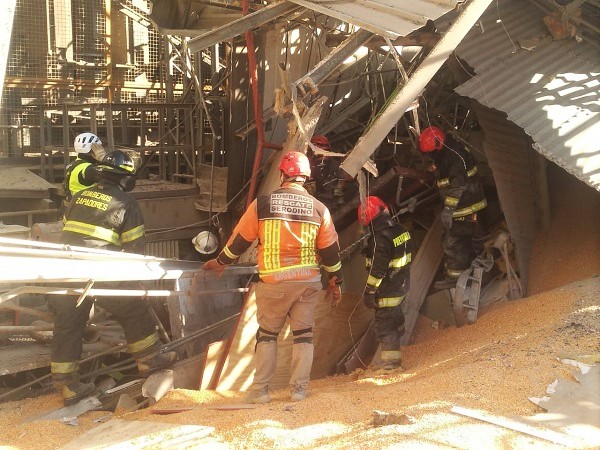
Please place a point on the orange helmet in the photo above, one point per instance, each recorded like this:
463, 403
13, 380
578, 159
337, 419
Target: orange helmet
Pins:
295, 164
431, 139
371, 209
321, 142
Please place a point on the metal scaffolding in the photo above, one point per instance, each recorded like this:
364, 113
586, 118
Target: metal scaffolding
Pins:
101, 66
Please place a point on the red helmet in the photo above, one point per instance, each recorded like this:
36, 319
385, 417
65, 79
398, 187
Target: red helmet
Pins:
371, 209
431, 138
295, 164
321, 142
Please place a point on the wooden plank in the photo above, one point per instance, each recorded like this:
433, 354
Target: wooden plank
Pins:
238, 370
215, 358
233, 407
422, 272
226, 407
235, 342
137, 435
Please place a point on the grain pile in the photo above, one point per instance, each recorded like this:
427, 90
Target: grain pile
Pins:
570, 249
510, 353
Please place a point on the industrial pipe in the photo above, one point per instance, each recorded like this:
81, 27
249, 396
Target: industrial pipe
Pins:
116, 349
4, 329
107, 292
257, 103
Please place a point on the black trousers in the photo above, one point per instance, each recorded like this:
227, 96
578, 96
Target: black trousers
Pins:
389, 327
70, 321
461, 244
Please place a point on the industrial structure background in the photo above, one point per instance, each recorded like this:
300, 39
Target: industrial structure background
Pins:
208, 95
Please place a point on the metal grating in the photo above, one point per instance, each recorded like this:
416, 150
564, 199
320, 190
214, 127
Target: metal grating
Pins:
163, 249
7, 317
58, 56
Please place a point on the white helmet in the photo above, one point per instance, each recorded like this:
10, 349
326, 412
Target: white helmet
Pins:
206, 242
89, 143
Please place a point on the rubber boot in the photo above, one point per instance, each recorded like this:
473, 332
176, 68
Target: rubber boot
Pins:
74, 392
147, 365
446, 283
391, 359
266, 363
302, 358
71, 389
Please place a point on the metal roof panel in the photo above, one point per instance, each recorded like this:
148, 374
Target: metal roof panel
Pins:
389, 18
551, 89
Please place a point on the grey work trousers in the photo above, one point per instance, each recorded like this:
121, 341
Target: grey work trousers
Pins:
275, 303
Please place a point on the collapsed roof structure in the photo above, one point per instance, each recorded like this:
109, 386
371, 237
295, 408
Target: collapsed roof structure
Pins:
209, 94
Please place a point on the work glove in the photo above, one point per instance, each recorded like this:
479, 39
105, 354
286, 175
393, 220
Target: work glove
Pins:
447, 218
370, 301
334, 292
214, 264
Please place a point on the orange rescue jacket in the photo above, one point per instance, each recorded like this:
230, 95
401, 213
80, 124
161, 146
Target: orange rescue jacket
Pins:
295, 236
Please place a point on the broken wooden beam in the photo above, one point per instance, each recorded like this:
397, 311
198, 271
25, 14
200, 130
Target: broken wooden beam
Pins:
319, 73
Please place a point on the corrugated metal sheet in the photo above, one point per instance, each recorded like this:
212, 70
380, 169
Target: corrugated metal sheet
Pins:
551, 91
197, 309
163, 249
390, 18
508, 151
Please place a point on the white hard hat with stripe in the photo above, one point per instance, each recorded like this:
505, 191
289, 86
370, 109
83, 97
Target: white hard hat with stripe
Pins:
86, 143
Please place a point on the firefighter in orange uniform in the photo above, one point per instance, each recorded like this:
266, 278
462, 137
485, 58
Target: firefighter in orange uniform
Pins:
296, 236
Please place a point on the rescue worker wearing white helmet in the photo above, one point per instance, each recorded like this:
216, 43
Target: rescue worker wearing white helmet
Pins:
388, 255
80, 173
104, 216
296, 237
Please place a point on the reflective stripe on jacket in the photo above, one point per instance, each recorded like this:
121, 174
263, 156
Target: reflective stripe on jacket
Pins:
388, 257
75, 179
105, 215
457, 179
295, 236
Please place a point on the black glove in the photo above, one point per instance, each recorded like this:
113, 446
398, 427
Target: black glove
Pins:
370, 301
447, 218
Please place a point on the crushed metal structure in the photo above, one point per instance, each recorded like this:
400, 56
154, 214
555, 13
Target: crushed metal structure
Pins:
209, 94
